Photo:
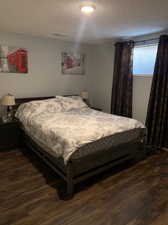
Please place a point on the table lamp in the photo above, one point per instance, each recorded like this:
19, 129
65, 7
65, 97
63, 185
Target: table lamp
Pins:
85, 96
9, 101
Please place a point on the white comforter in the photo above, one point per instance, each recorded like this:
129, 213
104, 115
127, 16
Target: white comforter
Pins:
65, 131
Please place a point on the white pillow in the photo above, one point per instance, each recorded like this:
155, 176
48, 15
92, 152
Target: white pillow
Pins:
41, 106
76, 97
72, 102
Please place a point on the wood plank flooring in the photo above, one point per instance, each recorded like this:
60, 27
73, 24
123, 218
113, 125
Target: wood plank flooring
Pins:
137, 195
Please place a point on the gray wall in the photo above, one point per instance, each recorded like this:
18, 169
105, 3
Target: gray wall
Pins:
44, 77
101, 75
141, 93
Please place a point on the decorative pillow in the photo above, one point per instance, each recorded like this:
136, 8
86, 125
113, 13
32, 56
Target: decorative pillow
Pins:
72, 102
42, 106
76, 97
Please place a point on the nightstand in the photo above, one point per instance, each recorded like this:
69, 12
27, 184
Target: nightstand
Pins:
9, 135
96, 108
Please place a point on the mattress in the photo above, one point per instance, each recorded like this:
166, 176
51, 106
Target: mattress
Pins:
102, 144
71, 129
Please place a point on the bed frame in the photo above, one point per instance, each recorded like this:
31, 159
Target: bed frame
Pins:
82, 168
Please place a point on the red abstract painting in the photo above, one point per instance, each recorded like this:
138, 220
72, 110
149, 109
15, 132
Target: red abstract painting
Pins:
13, 60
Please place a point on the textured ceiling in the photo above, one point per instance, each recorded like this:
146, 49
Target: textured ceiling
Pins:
112, 18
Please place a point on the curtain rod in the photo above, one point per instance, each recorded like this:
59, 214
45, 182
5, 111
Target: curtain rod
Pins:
150, 40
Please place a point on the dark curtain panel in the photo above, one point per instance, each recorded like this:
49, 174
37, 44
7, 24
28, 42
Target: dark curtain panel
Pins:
157, 115
121, 101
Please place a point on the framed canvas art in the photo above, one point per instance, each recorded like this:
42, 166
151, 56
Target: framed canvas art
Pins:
13, 59
73, 63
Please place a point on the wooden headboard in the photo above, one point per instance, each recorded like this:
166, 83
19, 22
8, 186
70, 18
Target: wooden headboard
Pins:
24, 100
20, 101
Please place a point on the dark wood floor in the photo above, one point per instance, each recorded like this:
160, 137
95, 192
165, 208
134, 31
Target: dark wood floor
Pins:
137, 195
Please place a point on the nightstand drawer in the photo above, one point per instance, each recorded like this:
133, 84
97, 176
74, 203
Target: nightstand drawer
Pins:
9, 135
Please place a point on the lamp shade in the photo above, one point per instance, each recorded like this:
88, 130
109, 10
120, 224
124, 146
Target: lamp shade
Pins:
8, 100
84, 94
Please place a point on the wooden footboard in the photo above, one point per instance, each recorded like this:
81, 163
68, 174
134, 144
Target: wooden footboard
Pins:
80, 169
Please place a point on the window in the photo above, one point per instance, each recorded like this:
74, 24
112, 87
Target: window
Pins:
144, 58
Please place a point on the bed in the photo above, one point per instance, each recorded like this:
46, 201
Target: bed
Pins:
76, 141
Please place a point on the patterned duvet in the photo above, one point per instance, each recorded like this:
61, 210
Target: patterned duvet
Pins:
64, 127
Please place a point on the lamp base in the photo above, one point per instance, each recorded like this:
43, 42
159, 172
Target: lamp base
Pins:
8, 116
86, 101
